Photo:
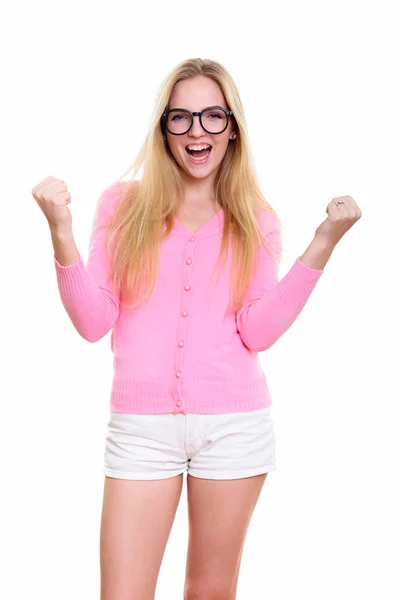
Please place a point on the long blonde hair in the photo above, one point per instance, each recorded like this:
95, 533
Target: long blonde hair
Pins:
136, 227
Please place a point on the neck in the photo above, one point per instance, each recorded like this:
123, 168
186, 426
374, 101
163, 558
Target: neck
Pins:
200, 195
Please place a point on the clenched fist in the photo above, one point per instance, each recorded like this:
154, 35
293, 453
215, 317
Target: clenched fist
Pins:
53, 198
343, 213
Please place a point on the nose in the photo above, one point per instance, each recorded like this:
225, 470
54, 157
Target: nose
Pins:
196, 130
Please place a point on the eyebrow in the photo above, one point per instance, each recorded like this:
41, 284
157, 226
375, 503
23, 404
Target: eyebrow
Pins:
209, 106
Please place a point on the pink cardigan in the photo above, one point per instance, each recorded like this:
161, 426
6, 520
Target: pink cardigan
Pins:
182, 352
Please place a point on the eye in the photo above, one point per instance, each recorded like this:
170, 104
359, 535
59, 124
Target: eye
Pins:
214, 115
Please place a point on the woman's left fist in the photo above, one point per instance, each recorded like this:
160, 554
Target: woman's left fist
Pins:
341, 217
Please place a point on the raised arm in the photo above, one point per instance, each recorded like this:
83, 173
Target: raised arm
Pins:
271, 306
86, 293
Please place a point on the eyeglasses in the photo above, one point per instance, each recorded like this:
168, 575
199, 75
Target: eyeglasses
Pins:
178, 121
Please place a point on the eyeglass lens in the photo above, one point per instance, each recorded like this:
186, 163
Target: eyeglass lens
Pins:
213, 120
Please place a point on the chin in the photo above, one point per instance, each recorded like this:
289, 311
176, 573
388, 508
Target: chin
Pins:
198, 172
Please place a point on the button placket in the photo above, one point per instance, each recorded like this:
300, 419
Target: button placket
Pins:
183, 321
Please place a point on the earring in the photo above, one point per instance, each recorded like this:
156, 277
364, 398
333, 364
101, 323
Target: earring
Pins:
234, 136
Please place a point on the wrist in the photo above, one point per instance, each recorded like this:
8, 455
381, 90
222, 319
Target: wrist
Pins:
318, 253
324, 243
61, 231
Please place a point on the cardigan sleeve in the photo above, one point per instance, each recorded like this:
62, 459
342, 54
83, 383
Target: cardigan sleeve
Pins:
271, 306
85, 290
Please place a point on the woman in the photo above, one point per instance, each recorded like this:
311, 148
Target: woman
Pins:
188, 391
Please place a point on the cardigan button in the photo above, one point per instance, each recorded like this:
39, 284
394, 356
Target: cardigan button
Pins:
185, 313
192, 238
178, 374
179, 403
180, 344
189, 261
187, 287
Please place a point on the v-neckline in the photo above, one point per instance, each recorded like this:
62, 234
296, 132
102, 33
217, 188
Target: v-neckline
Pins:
214, 218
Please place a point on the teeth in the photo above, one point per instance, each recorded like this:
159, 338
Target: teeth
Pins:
198, 159
195, 147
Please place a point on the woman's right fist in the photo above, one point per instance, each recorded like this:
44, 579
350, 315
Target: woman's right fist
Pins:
53, 197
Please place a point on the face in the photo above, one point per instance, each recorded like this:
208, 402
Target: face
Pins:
195, 94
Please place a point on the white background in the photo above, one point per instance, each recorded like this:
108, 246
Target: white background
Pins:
319, 83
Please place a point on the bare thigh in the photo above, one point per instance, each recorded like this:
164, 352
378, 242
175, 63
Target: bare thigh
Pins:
219, 516
136, 520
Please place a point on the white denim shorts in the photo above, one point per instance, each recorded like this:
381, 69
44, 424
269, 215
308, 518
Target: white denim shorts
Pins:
210, 446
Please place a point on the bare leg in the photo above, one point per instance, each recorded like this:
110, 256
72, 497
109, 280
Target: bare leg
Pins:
219, 516
136, 520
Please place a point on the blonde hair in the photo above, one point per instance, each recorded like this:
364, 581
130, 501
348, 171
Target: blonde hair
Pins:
136, 227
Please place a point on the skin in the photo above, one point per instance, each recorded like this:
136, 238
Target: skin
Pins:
195, 94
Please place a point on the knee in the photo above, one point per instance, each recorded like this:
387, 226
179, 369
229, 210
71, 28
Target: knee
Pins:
209, 593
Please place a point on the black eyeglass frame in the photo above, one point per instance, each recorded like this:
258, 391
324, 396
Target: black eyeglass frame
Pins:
165, 114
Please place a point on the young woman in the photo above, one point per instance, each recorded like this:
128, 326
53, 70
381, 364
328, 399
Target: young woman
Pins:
188, 393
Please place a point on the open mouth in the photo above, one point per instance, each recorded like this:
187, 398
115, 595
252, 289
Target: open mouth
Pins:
199, 154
